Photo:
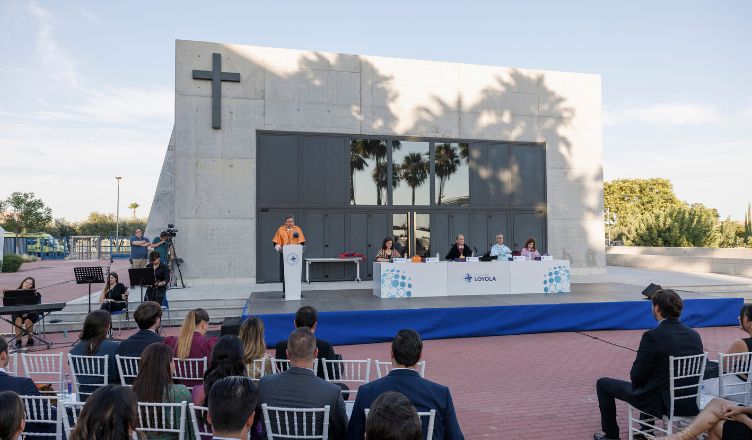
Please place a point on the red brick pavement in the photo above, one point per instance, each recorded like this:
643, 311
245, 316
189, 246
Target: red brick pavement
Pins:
539, 386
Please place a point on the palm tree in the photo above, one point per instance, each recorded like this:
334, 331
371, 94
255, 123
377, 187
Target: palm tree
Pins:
464, 153
379, 176
447, 162
414, 171
359, 154
134, 206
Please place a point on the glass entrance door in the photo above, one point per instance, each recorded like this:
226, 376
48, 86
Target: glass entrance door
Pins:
412, 233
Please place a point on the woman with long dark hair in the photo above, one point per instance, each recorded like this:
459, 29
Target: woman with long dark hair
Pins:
226, 360
154, 382
192, 341
387, 252
93, 342
114, 296
109, 414
26, 320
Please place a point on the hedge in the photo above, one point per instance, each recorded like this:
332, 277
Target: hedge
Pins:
12, 262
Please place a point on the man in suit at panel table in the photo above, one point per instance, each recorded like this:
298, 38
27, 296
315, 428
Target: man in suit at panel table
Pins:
425, 395
308, 317
648, 389
298, 387
148, 316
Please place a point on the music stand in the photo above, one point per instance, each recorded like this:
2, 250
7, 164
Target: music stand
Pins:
89, 275
142, 277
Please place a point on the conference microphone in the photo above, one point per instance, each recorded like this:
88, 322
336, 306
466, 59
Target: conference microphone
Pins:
475, 250
295, 235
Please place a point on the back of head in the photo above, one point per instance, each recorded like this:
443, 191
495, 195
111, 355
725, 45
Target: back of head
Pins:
3, 344
745, 312
393, 417
233, 399
252, 336
185, 338
669, 303
109, 414
301, 345
11, 415
306, 317
146, 314
407, 347
226, 360
96, 326
154, 373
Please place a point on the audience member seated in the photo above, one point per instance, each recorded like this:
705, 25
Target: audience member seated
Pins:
20, 385
738, 346
648, 388
407, 348
12, 416
721, 419
226, 360
307, 316
254, 347
148, 316
231, 411
154, 383
109, 414
192, 341
93, 342
459, 249
298, 387
530, 250
393, 417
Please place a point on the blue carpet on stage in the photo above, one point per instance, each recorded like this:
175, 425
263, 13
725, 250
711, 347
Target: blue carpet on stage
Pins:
368, 326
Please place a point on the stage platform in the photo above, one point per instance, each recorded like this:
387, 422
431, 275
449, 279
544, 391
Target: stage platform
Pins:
355, 316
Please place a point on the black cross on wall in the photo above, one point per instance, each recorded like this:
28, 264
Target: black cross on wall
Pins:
216, 76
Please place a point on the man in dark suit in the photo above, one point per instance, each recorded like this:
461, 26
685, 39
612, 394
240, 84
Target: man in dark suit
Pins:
298, 387
407, 348
648, 390
308, 317
232, 401
148, 316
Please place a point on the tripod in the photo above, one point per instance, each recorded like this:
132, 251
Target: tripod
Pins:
174, 254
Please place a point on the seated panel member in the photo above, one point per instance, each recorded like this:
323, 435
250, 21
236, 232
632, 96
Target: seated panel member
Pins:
387, 252
459, 249
499, 249
530, 250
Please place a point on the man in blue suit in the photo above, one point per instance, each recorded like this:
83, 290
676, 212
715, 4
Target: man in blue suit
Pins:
148, 316
407, 348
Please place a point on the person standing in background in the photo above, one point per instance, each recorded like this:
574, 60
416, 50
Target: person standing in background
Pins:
288, 233
139, 249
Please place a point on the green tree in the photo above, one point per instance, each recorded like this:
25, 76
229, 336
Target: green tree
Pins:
414, 171
748, 222
731, 234
633, 199
134, 206
61, 227
447, 162
23, 212
686, 226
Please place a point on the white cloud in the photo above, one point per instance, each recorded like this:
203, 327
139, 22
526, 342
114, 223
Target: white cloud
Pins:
52, 54
671, 113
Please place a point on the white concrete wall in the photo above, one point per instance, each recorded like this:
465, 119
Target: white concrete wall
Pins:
291, 90
731, 261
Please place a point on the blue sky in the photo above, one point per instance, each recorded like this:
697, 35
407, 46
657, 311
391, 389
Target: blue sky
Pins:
86, 88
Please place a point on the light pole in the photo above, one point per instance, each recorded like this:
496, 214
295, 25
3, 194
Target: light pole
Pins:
117, 218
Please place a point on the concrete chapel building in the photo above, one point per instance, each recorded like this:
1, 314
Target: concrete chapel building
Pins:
360, 148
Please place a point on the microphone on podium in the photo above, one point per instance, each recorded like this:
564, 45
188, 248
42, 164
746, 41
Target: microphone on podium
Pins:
295, 235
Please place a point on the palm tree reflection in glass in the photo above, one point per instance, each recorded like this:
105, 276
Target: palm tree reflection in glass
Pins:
447, 162
414, 171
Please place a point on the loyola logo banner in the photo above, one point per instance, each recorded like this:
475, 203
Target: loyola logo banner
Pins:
469, 278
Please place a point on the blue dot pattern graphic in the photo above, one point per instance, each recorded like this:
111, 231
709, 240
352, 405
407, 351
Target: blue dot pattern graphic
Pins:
557, 280
396, 284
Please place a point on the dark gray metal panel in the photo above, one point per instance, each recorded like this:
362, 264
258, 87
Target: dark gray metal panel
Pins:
313, 171
530, 225
499, 184
378, 230
499, 222
337, 162
440, 237
479, 233
478, 154
277, 170
312, 223
268, 257
334, 244
528, 176
459, 223
357, 239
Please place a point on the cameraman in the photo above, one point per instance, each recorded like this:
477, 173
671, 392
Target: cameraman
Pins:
161, 245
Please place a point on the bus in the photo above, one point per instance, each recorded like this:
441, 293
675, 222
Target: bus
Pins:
34, 243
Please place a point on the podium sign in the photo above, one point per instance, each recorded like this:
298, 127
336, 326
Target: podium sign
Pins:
292, 256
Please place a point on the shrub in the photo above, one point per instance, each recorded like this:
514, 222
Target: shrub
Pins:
12, 262
29, 258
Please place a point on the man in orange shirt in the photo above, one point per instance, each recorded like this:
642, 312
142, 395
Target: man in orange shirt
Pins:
286, 234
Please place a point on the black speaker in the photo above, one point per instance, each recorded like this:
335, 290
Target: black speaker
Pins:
650, 290
231, 326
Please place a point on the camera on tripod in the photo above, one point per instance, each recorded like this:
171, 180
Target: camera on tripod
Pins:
170, 231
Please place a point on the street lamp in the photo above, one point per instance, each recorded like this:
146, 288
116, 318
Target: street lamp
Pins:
117, 218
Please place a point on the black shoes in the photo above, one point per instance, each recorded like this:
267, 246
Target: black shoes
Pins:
29, 342
602, 436
18, 344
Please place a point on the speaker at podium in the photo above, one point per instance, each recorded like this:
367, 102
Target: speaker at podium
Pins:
292, 256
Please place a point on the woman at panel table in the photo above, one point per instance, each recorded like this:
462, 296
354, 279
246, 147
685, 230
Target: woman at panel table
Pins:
530, 251
459, 249
387, 253
499, 249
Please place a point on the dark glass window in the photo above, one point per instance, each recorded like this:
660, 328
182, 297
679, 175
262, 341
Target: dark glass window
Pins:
452, 178
412, 171
368, 172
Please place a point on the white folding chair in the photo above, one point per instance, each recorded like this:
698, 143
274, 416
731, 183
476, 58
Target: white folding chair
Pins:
12, 367
280, 365
199, 417
189, 369
89, 373
383, 368
74, 408
296, 423
352, 373
730, 386
45, 368
41, 411
165, 418
257, 368
685, 377
429, 415
127, 369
